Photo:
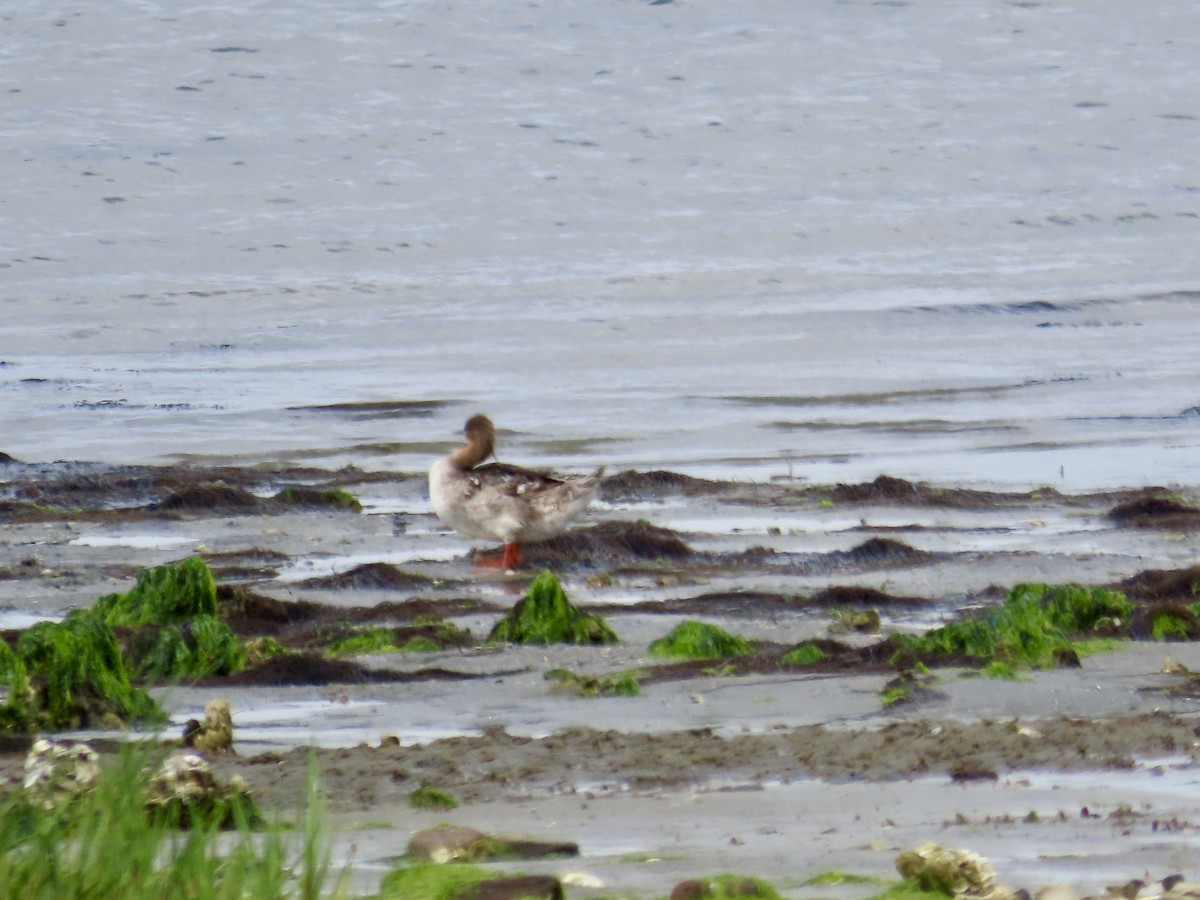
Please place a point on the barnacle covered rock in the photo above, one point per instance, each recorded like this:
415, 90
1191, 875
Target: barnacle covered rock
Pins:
184, 790
953, 871
57, 772
215, 733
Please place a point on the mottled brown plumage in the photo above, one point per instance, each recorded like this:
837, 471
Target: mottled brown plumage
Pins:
502, 502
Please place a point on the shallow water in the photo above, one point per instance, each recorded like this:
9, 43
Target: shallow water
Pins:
948, 240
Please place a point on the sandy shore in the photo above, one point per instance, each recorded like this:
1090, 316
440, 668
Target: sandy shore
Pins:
1084, 776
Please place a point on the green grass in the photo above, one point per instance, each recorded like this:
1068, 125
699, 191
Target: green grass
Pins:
545, 616
105, 846
700, 640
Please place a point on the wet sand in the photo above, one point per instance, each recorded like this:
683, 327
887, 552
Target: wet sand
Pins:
1079, 775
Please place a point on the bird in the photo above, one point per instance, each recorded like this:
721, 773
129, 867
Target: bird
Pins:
502, 502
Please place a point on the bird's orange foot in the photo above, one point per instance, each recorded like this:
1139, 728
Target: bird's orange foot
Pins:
509, 559
512, 556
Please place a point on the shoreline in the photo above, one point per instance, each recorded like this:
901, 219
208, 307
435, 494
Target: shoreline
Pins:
709, 766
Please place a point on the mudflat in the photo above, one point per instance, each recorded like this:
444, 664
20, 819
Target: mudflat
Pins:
1082, 773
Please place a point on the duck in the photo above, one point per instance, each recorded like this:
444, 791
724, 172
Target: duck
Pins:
502, 502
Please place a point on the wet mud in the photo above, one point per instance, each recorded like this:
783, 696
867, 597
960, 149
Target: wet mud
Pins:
838, 569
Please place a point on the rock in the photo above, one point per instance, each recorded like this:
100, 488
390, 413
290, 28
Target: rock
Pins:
215, 733
184, 790
581, 880
690, 890
1127, 891
1057, 892
459, 843
57, 772
517, 887
1180, 890
952, 871
720, 889
455, 843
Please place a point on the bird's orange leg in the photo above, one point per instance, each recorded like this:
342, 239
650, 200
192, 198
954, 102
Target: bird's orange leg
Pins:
510, 559
512, 555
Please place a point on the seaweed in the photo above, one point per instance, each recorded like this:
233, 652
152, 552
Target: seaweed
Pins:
432, 881
803, 655
425, 636
334, 498
368, 640
70, 674
619, 684
545, 616
700, 640
1034, 626
164, 594
1172, 624
176, 632
725, 887
260, 649
197, 648
427, 797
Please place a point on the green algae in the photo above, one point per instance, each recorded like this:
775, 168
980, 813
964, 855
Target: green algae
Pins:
198, 648
836, 876
620, 684
863, 621
1001, 670
803, 655
420, 644
369, 640
428, 797
383, 640
896, 692
729, 887
260, 649
70, 674
1036, 622
335, 498
1167, 625
910, 889
170, 593
700, 640
177, 633
432, 881
545, 616
78, 672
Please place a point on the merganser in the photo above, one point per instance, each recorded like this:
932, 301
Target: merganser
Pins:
502, 502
